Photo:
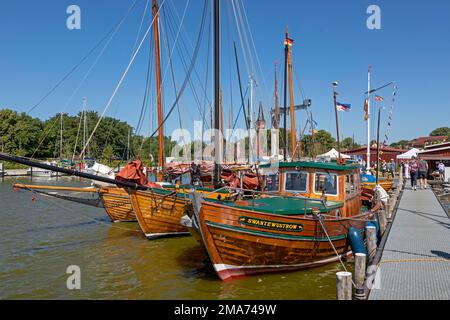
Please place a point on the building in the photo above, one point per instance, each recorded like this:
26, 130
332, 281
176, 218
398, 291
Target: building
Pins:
386, 153
422, 142
435, 153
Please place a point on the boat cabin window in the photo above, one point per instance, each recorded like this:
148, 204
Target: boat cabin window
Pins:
350, 184
272, 182
326, 183
296, 181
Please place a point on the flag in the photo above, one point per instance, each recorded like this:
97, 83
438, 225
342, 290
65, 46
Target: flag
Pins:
379, 98
366, 109
288, 42
343, 107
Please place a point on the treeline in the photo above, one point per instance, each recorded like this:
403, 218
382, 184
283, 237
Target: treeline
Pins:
26, 136
31, 137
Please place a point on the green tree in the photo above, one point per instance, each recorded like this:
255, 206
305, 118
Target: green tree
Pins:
442, 131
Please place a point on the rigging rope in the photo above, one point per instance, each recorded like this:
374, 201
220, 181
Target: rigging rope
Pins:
188, 75
74, 68
122, 78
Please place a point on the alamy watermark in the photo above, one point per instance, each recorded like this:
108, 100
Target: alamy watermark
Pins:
73, 21
73, 281
374, 20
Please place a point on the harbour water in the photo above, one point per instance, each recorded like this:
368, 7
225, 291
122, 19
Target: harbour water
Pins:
41, 236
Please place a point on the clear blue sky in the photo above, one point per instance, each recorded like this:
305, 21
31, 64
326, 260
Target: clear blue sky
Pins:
332, 43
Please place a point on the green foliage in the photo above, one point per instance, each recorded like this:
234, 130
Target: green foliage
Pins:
23, 135
442, 131
402, 144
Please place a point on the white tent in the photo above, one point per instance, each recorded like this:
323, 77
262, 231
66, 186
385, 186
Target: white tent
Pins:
408, 154
333, 154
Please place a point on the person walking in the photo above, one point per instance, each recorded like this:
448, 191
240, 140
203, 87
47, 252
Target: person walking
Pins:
441, 169
392, 168
423, 173
407, 170
414, 171
384, 168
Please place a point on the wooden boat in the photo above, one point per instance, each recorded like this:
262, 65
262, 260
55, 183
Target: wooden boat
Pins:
159, 211
283, 233
117, 204
385, 184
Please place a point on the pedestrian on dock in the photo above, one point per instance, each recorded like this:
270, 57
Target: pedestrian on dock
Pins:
407, 170
441, 168
414, 171
423, 172
392, 168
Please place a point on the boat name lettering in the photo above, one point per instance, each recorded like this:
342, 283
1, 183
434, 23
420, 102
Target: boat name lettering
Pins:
269, 224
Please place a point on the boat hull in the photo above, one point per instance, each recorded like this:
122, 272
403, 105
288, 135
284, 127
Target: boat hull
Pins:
159, 214
238, 249
117, 204
386, 185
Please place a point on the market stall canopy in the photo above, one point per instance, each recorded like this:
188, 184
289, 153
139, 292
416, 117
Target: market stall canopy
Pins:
333, 154
408, 154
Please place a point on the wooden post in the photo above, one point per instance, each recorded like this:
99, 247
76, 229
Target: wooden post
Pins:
343, 285
371, 239
382, 219
360, 272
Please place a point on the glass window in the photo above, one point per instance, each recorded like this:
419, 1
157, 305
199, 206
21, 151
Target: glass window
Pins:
327, 182
350, 186
272, 182
296, 181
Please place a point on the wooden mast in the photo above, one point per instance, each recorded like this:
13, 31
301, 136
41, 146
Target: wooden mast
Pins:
158, 88
276, 99
217, 138
291, 100
286, 50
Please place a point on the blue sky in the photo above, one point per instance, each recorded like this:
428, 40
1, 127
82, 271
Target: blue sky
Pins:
332, 43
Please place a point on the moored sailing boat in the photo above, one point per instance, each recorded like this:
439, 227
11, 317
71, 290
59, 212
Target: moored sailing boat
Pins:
283, 233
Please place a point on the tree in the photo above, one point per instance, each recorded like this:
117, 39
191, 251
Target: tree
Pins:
402, 144
442, 131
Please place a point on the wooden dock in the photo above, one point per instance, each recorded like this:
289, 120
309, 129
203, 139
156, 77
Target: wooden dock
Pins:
415, 263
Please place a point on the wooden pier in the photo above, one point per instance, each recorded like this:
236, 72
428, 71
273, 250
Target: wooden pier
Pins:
415, 263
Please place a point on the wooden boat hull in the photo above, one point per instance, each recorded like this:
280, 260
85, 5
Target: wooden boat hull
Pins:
159, 214
237, 248
117, 204
386, 185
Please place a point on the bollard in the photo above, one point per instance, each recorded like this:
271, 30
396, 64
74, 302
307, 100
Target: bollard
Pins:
343, 285
360, 273
382, 219
371, 239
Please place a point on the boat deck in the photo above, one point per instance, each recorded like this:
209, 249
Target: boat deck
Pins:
415, 263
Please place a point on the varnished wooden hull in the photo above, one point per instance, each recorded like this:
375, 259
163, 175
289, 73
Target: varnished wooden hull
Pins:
117, 204
386, 185
236, 249
159, 214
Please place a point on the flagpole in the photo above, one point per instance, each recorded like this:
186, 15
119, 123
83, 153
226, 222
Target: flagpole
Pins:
368, 119
337, 122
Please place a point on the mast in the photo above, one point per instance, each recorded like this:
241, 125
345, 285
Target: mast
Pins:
368, 119
276, 98
128, 144
85, 126
313, 136
158, 87
291, 102
337, 122
286, 50
378, 145
217, 140
61, 138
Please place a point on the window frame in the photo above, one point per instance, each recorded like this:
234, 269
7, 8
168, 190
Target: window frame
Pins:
296, 191
331, 174
279, 181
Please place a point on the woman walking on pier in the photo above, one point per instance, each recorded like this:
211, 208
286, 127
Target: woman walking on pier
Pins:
423, 172
414, 171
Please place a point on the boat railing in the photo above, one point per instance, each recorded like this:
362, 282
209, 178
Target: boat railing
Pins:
271, 194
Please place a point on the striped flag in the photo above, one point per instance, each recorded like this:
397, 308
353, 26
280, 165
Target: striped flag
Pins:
288, 42
379, 98
343, 107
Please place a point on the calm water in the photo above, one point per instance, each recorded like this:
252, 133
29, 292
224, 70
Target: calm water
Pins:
41, 238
